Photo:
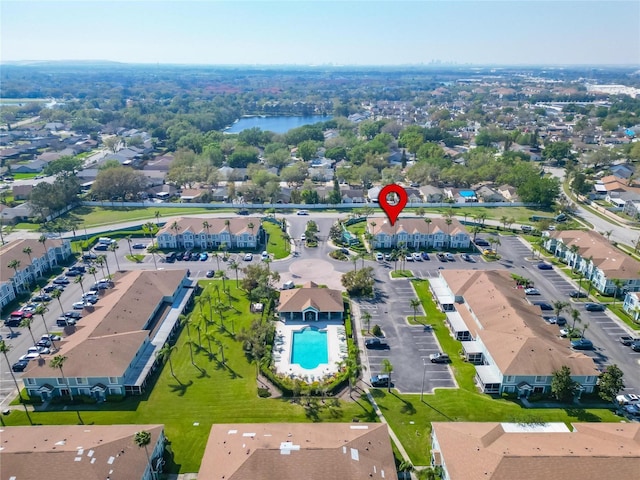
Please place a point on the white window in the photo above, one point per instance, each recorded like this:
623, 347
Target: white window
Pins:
590, 380
509, 378
60, 381
541, 379
84, 391
81, 381
113, 379
31, 381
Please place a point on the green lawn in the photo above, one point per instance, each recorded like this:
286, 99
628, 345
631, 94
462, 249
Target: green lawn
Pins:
277, 245
401, 274
198, 397
24, 176
624, 316
410, 418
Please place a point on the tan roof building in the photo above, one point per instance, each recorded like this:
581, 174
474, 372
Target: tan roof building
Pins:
84, 452
311, 303
508, 339
192, 232
113, 346
313, 451
507, 451
596, 258
417, 233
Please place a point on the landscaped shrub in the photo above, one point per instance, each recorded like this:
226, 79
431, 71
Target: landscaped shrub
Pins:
376, 330
264, 393
114, 398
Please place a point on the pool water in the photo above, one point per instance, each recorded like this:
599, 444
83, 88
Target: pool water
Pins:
309, 348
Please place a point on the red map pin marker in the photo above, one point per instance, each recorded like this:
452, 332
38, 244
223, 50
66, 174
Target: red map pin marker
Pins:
392, 207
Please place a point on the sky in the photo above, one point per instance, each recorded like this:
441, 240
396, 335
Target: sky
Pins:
321, 32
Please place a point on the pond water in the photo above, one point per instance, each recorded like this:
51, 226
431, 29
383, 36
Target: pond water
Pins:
279, 124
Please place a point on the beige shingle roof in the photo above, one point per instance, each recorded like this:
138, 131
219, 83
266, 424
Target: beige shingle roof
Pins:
13, 251
415, 225
513, 331
62, 452
612, 262
237, 225
322, 299
317, 451
593, 451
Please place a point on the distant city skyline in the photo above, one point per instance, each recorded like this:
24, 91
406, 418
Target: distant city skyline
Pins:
320, 32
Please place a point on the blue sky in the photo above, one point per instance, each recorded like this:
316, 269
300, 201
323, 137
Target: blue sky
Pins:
308, 32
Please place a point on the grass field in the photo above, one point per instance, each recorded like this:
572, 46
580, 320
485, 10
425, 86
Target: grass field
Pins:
212, 392
97, 216
277, 246
401, 274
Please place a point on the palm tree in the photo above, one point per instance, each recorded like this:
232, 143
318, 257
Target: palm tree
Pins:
28, 251
575, 315
26, 322
221, 348
366, 316
618, 283
584, 329
415, 304
574, 249
497, 243
41, 310
106, 264
387, 368
100, 263
157, 215
43, 240
607, 233
79, 280
209, 336
128, 239
58, 362
151, 229
428, 222
175, 226
142, 439
206, 225
5, 348
165, 353
235, 266
93, 271
504, 221
448, 221
112, 248
559, 306
15, 264
217, 257
56, 294
153, 249
354, 259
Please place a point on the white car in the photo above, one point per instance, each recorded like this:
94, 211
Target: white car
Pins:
564, 332
416, 257
265, 255
248, 257
628, 399
303, 237
30, 356
379, 256
51, 337
408, 257
531, 291
39, 350
78, 305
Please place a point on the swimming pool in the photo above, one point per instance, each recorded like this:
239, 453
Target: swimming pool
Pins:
309, 348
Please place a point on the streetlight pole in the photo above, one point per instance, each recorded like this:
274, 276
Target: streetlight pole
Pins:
424, 372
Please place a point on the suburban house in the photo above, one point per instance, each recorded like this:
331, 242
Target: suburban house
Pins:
32, 166
205, 233
288, 451
311, 304
432, 194
60, 452
418, 233
504, 451
631, 305
597, 259
508, 192
113, 350
504, 336
18, 268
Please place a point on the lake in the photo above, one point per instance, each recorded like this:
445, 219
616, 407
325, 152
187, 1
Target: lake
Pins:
279, 124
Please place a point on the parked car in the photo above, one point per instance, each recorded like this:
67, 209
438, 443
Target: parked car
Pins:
51, 337
288, 285
376, 343
210, 274
450, 257
441, 257
302, 212
29, 356
627, 399
41, 297
545, 266
243, 212
425, 256
408, 257
89, 256
65, 322
74, 315
20, 365
466, 257
387, 256
248, 257
633, 410
43, 342
91, 299
439, 358
481, 242
303, 237
582, 344
264, 256
531, 291
560, 321
578, 294
52, 288
416, 257
594, 307
39, 350
194, 256
379, 256
564, 332
204, 256
79, 268
543, 305
139, 246
78, 305
379, 381
635, 346
626, 340
61, 281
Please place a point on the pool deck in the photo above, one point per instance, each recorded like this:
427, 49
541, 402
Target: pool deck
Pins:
336, 344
